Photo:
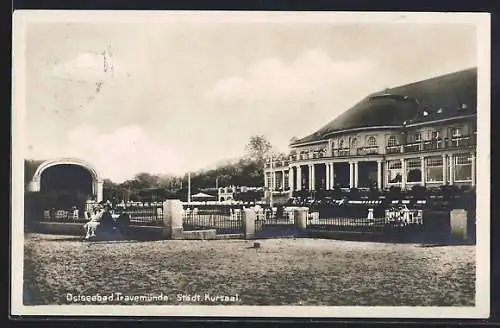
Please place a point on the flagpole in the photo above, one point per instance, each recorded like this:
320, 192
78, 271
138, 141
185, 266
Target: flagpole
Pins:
272, 184
189, 187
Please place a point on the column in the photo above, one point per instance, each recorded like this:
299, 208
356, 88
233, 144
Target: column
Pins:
422, 169
327, 174
313, 180
266, 182
299, 178
403, 173
290, 178
356, 175
452, 169
99, 194
379, 174
283, 180
332, 177
351, 174
445, 169
473, 169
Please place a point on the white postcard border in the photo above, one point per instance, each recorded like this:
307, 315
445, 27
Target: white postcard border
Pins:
480, 310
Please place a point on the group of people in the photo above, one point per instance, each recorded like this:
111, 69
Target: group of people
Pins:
96, 217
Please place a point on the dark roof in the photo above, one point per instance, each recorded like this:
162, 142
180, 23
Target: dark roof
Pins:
441, 97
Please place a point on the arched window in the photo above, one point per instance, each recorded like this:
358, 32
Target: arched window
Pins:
392, 141
354, 142
372, 141
341, 144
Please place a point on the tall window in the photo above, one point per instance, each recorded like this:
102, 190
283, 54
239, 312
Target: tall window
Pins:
456, 132
392, 141
394, 171
435, 135
269, 180
418, 137
463, 167
341, 144
434, 169
286, 181
354, 142
372, 141
413, 170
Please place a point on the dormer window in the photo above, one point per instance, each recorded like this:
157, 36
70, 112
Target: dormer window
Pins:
439, 111
425, 113
463, 106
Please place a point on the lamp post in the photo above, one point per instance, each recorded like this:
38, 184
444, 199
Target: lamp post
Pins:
189, 187
272, 184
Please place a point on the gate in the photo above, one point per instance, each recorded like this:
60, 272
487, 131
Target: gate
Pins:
276, 223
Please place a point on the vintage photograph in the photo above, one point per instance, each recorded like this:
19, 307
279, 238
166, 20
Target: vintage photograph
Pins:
251, 164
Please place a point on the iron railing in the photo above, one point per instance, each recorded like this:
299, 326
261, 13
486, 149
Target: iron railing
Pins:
346, 217
225, 219
63, 216
142, 213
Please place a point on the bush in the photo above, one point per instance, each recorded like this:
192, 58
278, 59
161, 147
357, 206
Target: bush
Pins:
449, 191
394, 193
354, 193
419, 192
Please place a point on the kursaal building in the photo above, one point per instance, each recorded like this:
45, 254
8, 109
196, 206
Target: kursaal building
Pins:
423, 133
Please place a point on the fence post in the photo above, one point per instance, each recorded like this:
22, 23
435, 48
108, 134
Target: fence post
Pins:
301, 217
172, 219
458, 224
249, 217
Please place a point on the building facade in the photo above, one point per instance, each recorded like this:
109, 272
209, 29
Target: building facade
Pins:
422, 133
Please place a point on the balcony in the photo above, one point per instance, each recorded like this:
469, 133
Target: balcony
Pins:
372, 150
277, 164
459, 142
433, 144
413, 147
341, 152
393, 149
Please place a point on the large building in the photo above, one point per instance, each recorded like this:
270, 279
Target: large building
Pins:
423, 133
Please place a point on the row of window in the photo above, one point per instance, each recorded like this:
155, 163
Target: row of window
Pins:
433, 169
392, 141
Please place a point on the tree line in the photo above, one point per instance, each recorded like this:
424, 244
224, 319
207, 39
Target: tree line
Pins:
245, 171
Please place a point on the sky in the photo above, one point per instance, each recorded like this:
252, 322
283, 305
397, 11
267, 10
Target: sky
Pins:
178, 96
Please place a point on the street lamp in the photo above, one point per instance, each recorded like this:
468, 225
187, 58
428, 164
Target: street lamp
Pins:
272, 184
189, 187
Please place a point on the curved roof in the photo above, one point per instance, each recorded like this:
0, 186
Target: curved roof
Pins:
442, 97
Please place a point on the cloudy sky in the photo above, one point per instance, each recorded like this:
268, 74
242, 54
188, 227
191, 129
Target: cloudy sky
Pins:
180, 96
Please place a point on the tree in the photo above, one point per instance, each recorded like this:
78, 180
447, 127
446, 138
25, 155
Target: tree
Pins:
258, 148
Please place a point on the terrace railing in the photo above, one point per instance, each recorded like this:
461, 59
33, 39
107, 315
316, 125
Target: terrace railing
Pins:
372, 150
460, 142
341, 152
393, 149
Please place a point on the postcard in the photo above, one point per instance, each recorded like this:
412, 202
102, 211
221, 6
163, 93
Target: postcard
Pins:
251, 164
